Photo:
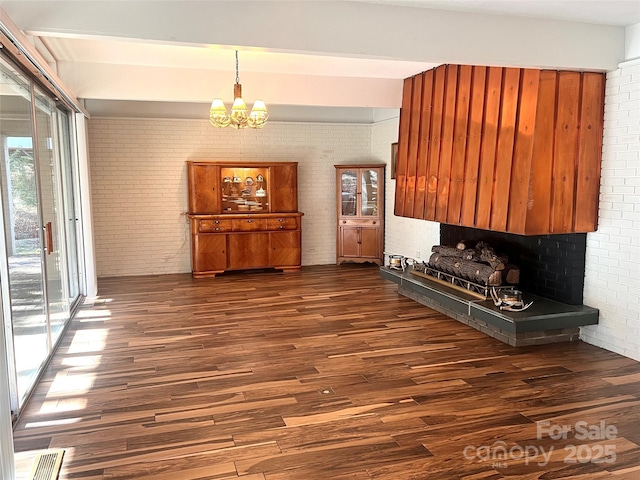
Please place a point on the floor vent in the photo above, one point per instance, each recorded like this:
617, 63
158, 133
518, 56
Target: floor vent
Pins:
47, 465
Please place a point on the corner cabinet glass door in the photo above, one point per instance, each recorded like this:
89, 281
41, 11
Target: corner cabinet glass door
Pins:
359, 193
349, 186
369, 193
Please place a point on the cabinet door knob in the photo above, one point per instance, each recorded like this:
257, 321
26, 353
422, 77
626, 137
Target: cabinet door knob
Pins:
374, 222
216, 221
281, 227
250, 221
281, 219
217, 229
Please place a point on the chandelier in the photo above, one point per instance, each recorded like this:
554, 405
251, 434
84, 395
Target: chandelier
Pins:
218, 116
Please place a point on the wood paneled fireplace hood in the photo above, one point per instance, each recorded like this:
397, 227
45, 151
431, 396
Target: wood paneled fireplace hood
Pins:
506, 149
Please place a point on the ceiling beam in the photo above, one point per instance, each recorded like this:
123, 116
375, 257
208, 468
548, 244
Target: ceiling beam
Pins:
136, 82
352, 29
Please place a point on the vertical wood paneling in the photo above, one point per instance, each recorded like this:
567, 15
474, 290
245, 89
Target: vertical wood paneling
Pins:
474, 143
423, 148
459, 144
565, 151
523, 151
590, 152
504, 149
403, 146
446, 148
539, 205
504, 154
414, 140
489, 144
434, 143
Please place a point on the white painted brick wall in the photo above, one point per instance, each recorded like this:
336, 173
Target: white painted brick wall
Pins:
612, 277
403, 236
139, 184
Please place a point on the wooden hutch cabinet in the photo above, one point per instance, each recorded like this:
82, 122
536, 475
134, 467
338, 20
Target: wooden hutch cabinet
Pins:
243, 216
360, 209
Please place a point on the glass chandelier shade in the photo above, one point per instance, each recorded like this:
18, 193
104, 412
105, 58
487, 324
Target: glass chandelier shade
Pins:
238, 118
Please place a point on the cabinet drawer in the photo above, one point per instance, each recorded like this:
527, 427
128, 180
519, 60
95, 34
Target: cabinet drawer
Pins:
282, 223
212, 226
359, 222
249, 224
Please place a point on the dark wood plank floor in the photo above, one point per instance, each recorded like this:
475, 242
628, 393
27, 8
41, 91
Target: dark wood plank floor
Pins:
325, 373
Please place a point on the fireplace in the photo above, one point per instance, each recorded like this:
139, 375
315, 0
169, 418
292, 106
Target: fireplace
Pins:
551, 266
551, 277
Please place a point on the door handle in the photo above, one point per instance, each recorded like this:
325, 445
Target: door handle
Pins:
48, 238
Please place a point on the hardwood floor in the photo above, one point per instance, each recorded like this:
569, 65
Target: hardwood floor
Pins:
324, 374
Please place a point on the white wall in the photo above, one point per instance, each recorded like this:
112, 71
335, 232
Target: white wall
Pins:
612, 279
403, 236
139, 185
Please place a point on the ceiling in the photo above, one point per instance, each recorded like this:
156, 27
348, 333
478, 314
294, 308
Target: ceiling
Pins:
310, 61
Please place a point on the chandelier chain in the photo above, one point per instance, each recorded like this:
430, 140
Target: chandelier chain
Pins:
237, 74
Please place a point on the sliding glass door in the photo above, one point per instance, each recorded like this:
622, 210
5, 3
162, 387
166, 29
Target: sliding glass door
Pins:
39, 272
70, 200
53, 224
23, 270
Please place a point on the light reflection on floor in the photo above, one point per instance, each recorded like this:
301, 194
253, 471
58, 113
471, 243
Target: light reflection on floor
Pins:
66, 390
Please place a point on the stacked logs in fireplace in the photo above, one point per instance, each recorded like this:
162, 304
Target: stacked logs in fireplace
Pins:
480, 264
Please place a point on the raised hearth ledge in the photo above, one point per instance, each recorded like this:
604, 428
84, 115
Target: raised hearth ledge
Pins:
546, 321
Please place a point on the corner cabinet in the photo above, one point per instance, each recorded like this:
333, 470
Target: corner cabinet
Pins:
243, 216
360, 211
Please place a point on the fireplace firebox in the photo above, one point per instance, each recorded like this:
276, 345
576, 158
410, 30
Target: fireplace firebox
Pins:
551, 266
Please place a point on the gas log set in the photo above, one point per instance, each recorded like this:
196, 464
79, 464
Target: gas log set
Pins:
479, 264
477, 269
